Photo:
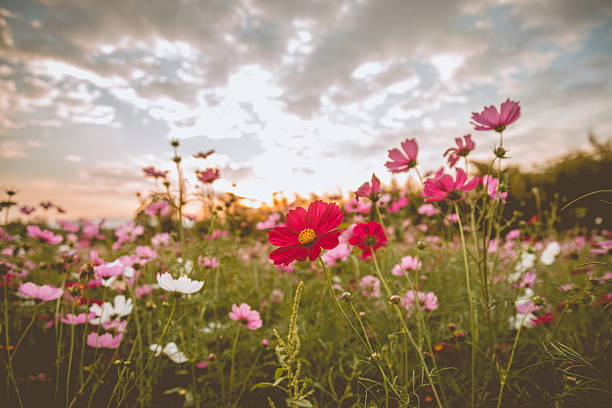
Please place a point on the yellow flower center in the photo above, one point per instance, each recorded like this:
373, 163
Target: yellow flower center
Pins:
306, 236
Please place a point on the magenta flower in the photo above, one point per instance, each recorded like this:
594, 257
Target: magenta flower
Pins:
428, 210
45, 235
443, 187
145, 254
206, 262
68, 226
491, 184
401, 162
490, 119
109, 269
339, 253
462, 149
143, 290
408, 263
153, 172
208, 176
44, 293
244, 312
161, 239
27, 210
104, 341
371, 191
398, 205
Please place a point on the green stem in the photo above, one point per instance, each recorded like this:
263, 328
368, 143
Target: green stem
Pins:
8, 344
159, 346
472, 322
506, 373
233, 363
552, 335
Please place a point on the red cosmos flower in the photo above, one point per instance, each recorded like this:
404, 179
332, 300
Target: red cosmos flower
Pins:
461, 150
208, 176
306, 232
547, 317
401, 162
367, 236
371, 191
490, 119
443, 187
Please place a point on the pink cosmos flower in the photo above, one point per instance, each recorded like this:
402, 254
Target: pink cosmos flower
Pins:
202, 364
491, 184
527, 280
513, 234
44, 293
143, 290
269, 223
490, 119
427, 301
401, 162
398, 205
109, 269
371, 191
408, 263
356, 206
339, 253
244, 312
81, 318
428, 210
127, 232
277, 296
160, 208
370, 286
208, 176
45, 235
104, 341
68, 226
206, 262
451, 219
92, 230
462, 149
161, 239
145, 254
443, 187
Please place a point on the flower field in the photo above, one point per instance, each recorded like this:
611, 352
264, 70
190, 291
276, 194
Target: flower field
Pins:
427, 295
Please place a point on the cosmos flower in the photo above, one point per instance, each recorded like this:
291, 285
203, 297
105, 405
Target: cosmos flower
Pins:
27, 210
153, 172
306, 232
428, 210
44, 293
104, 341
398, 205
491, 184
45, 235
490, 119
427, 301
208, 176
443, 187
401, 162
160, 208
370, 286
368, 236
171, 350
550, 253
182, 285
103, 313
371, 191
269, 223
161, 239
244, 312
408, 263
462, 149
356, 206
339, 253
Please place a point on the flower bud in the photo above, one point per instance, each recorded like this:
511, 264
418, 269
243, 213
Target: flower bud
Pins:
451, 327
394, 299
421, 245
500, 152
174, 143
347, 296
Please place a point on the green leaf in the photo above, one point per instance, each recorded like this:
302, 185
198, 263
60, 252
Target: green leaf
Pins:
277, 373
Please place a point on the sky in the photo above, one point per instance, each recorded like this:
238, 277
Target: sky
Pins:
296, 96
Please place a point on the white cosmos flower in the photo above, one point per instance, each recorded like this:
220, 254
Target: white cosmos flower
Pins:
181, 285
550, 253
171, 350
108, 311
